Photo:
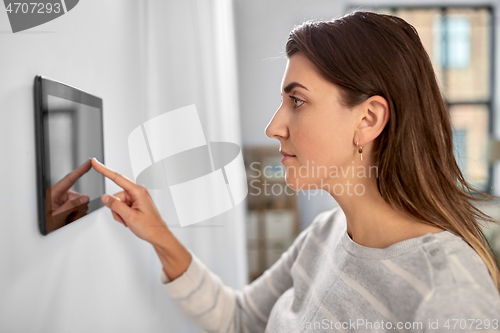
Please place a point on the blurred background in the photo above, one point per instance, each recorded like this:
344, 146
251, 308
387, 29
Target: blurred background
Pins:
147, 57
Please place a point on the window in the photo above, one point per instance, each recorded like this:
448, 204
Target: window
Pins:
452, 40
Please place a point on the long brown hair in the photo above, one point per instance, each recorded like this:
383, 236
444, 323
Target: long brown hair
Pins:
367, 54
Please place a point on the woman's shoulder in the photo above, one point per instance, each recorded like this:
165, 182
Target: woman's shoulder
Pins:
453, 307
455, 279
449, 253
441, 260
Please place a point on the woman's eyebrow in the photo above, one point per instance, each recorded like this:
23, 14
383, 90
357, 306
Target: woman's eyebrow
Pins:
292, 85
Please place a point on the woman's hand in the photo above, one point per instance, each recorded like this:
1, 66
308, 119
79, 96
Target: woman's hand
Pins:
133, 207
136, 210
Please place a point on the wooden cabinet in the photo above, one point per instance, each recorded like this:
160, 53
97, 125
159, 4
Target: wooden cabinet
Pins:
272, 221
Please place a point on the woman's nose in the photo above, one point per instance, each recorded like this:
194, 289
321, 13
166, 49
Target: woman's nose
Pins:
277, 126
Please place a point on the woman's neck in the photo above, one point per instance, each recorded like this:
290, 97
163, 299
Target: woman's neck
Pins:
372, 222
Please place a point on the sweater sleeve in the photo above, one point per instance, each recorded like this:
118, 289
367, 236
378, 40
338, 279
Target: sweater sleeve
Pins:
219, 308
466, 308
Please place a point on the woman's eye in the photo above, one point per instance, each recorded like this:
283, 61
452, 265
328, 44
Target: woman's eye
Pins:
297, 102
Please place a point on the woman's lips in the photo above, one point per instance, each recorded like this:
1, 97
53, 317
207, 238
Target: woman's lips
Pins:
286, 158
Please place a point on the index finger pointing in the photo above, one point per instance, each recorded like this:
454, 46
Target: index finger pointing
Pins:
119, 180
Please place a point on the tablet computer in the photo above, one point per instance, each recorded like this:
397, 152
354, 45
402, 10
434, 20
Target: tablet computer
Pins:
68, 132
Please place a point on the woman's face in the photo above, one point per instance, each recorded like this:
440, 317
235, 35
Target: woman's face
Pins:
313, 125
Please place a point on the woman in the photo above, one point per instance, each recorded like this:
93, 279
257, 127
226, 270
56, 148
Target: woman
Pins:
404, 252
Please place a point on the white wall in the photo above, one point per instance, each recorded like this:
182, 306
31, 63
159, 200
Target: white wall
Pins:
262, 30
93, 275
191, 60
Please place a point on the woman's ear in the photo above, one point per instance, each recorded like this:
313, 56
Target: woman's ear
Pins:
373, 115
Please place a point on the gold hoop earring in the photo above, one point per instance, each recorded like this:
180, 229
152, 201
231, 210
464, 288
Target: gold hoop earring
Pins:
360, 150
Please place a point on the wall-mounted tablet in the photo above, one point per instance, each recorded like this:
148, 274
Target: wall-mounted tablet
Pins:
69, 131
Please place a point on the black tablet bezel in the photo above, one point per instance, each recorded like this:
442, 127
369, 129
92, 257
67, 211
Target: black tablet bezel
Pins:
44, 86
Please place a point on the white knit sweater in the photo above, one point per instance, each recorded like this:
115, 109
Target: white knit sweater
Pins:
325, 282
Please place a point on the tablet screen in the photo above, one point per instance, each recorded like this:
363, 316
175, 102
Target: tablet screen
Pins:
69, 133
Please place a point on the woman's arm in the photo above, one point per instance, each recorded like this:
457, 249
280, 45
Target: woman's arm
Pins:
199, 292
219, 308
174, 257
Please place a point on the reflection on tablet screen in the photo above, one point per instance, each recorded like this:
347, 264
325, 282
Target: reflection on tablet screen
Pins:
70, 133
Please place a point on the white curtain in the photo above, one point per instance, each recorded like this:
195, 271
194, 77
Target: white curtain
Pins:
189, 58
